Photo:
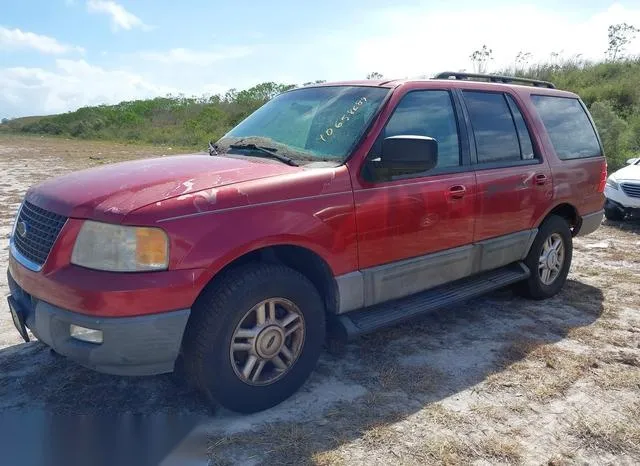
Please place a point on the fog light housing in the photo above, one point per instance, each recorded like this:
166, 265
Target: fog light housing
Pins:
85, 334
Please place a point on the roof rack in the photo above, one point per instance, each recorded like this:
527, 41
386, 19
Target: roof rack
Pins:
494, 79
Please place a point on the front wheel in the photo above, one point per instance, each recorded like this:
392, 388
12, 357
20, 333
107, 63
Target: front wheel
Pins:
549, 259
254, 337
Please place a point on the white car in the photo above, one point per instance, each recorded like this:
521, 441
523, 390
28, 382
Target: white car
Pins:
623, 192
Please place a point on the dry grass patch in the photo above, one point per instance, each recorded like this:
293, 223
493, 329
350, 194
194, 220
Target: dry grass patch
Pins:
539, 372
494, 413
379, 434
450, 450
282, 443
328, 458
610, 435
411, 379
618, 377
605, 333
438, 414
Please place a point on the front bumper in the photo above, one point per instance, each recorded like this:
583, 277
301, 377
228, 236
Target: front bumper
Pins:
619, 198
142, 345
613, 205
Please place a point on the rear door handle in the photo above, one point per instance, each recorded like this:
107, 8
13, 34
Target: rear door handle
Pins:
540, 179
457, 192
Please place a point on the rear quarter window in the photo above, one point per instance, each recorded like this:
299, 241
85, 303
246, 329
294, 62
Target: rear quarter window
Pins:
569, 127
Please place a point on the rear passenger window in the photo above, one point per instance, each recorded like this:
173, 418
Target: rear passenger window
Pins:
431, 114
568, 126
493, 127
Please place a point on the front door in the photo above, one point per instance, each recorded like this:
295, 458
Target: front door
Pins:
415, 229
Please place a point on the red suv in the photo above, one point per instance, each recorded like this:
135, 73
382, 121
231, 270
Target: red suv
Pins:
345, 207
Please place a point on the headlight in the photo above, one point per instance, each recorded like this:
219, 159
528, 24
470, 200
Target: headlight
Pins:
117, 248
612, 183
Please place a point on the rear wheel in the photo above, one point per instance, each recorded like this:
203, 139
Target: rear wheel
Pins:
255, 336
549, 259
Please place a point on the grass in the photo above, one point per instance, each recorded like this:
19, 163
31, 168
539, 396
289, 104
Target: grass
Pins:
453, 450
601, 336
418, 379
539, 372
608, 434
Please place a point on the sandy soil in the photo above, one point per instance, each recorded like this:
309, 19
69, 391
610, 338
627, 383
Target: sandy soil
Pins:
496, 380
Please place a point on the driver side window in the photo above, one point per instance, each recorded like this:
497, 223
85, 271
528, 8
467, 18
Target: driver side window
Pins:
427, 113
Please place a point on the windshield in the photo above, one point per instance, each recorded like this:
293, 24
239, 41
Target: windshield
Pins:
316, 123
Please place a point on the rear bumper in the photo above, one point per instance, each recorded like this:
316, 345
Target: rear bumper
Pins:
590, 223
143, 345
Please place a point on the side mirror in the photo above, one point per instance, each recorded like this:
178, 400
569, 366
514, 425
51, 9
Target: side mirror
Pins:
409, 154
632, 161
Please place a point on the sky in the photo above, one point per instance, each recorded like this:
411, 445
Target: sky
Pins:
59, 55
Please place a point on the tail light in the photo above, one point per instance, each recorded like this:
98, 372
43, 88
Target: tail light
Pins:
603, 177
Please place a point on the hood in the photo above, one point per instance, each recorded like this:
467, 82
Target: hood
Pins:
110, 192
628, 173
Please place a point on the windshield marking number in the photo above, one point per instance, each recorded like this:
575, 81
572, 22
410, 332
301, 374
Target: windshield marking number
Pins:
340, 122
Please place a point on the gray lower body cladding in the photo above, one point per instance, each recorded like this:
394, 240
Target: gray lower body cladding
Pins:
144, 345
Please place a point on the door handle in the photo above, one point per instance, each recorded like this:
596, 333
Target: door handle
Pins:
540, 179
457, 192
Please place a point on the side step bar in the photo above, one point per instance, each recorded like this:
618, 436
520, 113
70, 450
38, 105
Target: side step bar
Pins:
360, 322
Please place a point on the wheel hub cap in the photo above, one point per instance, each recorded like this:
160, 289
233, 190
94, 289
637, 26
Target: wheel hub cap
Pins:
269, 342
551, 259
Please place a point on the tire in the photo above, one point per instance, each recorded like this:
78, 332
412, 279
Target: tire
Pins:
535, 287
231, 308
613, 214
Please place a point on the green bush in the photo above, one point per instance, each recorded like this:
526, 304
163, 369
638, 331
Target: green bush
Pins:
611, 128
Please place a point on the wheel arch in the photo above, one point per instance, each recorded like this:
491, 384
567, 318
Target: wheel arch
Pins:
302, 259
568, 212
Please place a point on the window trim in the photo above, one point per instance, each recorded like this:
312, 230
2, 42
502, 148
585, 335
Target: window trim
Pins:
464, 148
515, 125
587, 114
536, 145
507, 164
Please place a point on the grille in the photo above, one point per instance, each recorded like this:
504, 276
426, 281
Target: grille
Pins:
631, 189
39, 230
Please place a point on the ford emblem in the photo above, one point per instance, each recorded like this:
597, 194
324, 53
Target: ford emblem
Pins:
22, 229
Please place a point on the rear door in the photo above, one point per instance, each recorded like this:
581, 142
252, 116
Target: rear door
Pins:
514, 183
405, 219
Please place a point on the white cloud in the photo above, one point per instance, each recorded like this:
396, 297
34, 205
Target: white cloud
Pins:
195, 57
417, 41
13, 39
73, 84
120, 17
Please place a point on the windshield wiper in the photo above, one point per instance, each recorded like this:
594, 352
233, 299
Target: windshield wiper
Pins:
213, 148
269, 151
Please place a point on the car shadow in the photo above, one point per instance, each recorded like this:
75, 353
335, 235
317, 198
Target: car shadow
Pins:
415, 364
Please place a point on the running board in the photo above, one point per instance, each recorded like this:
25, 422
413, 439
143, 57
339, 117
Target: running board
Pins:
360, 322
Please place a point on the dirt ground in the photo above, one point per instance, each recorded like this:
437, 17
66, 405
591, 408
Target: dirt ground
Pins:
498, 380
